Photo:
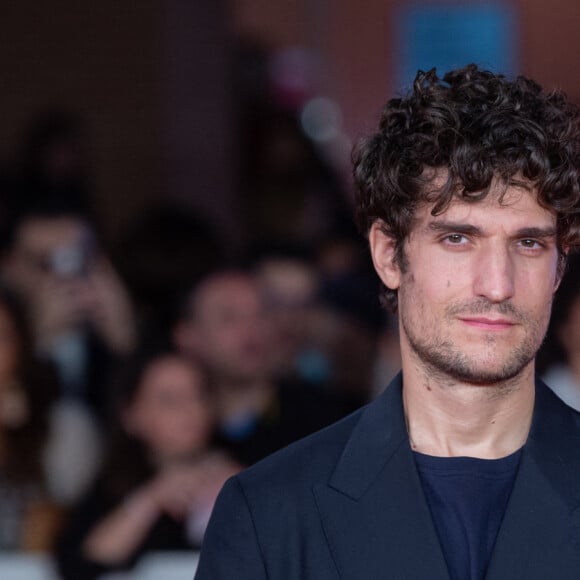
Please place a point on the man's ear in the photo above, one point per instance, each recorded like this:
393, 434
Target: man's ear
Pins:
383, 252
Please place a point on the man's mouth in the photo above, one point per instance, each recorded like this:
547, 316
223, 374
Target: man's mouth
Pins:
488, 323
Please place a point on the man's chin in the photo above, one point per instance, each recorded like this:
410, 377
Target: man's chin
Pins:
484, 374
474, 369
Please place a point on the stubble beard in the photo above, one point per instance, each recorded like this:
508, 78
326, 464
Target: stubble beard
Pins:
444, 359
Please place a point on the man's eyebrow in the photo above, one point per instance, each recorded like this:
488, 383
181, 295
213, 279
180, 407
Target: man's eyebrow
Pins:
533, 232
456, 227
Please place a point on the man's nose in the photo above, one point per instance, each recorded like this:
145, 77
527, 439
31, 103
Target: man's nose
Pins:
494, 274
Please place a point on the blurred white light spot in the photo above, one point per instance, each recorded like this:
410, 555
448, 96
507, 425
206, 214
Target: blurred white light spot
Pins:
321, 119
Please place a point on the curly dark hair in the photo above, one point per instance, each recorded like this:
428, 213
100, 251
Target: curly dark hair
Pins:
479, 127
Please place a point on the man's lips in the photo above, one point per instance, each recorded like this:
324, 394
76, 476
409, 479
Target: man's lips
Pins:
488, 323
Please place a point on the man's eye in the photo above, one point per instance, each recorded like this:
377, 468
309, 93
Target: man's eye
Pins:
455, 238
530, 244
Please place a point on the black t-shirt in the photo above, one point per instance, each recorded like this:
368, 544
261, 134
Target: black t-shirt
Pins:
467, 498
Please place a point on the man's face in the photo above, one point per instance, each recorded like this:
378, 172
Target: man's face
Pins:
476, 291
171, 412
228, 329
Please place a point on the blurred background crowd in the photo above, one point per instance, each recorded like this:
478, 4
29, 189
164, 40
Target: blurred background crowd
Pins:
182, 289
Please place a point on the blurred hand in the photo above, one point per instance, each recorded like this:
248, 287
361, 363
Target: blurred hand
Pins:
58, 306
61, 304
109, 307
180, 489
176, 491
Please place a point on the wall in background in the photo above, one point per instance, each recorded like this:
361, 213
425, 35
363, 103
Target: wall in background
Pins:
358, 43
100, 59
131, 69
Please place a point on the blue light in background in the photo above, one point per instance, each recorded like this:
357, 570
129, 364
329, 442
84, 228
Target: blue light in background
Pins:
448, 36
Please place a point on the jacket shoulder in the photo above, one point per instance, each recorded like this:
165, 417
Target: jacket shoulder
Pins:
304, 463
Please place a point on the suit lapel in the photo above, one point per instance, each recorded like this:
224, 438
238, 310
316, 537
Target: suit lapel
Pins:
378, 524
373, 510
540, 534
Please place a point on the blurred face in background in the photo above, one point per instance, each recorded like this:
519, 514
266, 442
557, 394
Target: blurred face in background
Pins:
47, 247
228, 329
171, 412
290, 290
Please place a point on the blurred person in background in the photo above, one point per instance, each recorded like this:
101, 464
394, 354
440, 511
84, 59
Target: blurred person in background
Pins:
325, 317
367, 348
225, 325
349, 289
159, 255
290, 287
160, 477
81, 314
560, 356
290, 193
29, 514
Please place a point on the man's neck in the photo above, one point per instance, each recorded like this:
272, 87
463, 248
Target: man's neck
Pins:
452, 419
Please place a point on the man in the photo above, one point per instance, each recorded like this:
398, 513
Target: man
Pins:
466, 467
226, 327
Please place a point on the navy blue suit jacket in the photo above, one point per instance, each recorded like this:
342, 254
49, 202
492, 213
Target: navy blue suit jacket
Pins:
347, 504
